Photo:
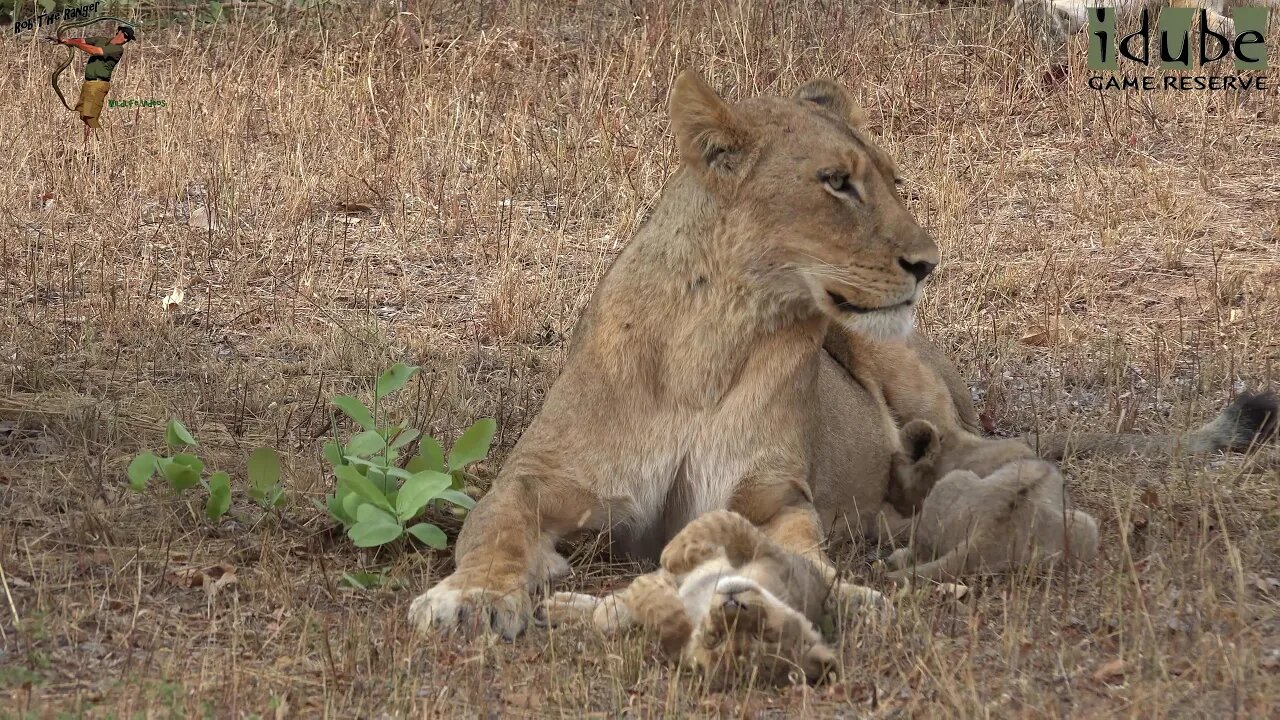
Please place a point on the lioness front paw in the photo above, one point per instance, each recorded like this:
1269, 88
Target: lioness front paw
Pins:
456, 605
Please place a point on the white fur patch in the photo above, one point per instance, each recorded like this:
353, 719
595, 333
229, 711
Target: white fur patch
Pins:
882, 324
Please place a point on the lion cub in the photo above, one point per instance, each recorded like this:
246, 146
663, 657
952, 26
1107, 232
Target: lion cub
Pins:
727, 601
995, 508
971, 503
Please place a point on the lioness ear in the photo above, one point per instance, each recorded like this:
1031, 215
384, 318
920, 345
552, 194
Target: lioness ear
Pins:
708, 134
831, 96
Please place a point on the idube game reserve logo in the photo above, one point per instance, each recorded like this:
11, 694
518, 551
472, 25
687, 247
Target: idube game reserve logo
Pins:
1185, 41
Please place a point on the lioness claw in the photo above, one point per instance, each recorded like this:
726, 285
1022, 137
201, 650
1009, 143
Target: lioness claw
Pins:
470, 611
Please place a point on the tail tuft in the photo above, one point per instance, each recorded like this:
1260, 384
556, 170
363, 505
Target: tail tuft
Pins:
1250, 419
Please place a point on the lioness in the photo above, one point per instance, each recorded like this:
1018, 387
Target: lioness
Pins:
696, 379
727, 601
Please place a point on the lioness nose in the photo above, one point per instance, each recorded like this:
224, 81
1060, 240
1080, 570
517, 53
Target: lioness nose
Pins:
920, 269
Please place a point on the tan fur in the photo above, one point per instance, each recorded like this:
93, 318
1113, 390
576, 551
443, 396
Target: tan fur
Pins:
728, 602
696, 379
996, 507
1004, 520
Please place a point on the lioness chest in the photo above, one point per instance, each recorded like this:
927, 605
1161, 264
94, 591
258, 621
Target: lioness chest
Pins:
754, 431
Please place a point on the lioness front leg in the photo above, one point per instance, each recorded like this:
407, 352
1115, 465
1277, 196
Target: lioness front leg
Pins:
507, 546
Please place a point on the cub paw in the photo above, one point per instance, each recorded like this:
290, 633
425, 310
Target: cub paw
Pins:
455, 605
562, 607
703, 539
861, 599
612, 616
898, 559
682, 556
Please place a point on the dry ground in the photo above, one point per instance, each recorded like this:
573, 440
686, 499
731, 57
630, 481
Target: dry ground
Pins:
448, 194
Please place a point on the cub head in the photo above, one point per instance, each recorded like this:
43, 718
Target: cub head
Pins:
748, 633
798, 181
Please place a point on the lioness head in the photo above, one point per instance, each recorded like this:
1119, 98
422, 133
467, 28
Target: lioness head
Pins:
748, 633
799, 182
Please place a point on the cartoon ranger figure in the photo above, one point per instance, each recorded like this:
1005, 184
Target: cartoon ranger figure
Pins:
105, 53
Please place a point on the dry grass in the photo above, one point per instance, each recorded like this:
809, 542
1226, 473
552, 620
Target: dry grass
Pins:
449, 196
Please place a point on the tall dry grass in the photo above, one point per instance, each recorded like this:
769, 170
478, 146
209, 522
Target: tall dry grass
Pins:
337, 192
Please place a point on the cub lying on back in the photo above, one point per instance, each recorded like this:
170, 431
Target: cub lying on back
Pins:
728, 601
996, 507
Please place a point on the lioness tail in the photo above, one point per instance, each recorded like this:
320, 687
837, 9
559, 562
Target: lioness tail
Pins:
1249, 420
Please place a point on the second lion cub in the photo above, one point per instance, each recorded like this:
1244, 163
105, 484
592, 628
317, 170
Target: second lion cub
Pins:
995, 508
976, 504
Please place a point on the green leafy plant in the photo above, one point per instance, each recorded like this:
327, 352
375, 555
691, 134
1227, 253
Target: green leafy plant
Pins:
264, 478
379, 499
184, 470
370, 580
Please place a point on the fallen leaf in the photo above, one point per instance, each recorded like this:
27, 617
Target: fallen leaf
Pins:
1139, 518
212, 578
175, 297
1109, 671
523, 699
1271, 659
1150, 497
1035, 337
988, 420
955, 591
202, 220
1265, 585
18, 582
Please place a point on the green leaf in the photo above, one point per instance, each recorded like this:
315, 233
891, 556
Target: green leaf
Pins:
382, 481
264, 470
274, 497
363, 580
182, 470
430, 456
351, 502
396, 472
176, 435
455, 497
420, 490
333, 452
365, 443
473, 444
141, 470
429, 535
404, 438
394, 379
355, 410
362, 486
219, 496
370, 580
373, 527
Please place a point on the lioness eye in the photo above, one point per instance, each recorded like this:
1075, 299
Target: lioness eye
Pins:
837, 181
